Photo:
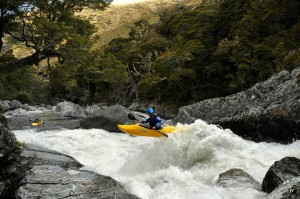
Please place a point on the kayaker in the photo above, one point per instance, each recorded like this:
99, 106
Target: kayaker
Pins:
37, 120
154, 121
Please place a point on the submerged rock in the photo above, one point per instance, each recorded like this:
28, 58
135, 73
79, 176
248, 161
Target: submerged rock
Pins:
234, 178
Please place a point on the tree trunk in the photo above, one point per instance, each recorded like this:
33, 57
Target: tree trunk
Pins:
133, 84
1, 35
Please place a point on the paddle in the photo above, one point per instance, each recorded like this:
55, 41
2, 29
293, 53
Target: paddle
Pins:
131, 116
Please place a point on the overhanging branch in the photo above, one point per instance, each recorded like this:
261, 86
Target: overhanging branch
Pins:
35, 58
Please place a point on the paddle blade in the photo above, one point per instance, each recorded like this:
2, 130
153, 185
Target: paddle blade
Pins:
162, 133
131, 116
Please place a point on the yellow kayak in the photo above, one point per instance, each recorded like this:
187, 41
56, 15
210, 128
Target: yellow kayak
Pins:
140, 130
36, 123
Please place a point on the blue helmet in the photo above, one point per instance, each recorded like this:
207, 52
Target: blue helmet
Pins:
149, 110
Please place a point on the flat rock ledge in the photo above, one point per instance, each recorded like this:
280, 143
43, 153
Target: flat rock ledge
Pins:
51, 174
51, 181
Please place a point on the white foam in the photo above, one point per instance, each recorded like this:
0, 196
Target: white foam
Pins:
185, 165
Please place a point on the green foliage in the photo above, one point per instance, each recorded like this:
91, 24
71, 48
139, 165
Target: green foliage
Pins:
45, 26
154, 42
22, 84
48, 29
140, 30
194, 47
213, 50
24, 97
151, 87
61, 82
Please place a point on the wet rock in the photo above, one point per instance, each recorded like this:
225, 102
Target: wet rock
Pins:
18, 111
90, 110
51, 121
42, 156
287, 190
281, 171
49, 181
107, 119
234, 178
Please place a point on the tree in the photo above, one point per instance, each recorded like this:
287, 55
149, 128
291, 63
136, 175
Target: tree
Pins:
8, 12
44, 26
140, 30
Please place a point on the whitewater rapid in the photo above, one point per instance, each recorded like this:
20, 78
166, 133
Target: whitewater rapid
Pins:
183, 166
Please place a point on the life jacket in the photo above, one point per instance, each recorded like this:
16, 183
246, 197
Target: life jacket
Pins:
153, 120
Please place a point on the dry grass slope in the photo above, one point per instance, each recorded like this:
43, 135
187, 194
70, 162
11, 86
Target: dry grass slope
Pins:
117, 20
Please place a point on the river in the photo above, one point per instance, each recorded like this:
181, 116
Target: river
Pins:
183, 166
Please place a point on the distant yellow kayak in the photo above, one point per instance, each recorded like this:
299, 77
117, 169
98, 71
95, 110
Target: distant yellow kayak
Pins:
36, 123
140, 130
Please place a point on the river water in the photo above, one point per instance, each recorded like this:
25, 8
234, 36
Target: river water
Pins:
183, 166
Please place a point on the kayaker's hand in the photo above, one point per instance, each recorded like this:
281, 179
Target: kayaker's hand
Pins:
153, 128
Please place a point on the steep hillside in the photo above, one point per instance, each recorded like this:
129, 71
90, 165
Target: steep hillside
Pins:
117, 20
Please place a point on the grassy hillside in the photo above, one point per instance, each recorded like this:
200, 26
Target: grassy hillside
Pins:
117, 20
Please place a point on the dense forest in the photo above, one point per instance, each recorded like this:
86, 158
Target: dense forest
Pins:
190, 54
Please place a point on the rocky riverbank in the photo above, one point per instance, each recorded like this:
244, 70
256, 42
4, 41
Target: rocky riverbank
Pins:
28, 171
34, 172
267, 112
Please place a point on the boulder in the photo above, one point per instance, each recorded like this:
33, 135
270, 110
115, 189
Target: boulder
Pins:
44, 156
269, 111
235, 178
69, 109
15, 104
4, 105
11, 168
50, 181
281, 171
54, 175
107, 119
18, 111
7, 142
287, 190
90, 110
